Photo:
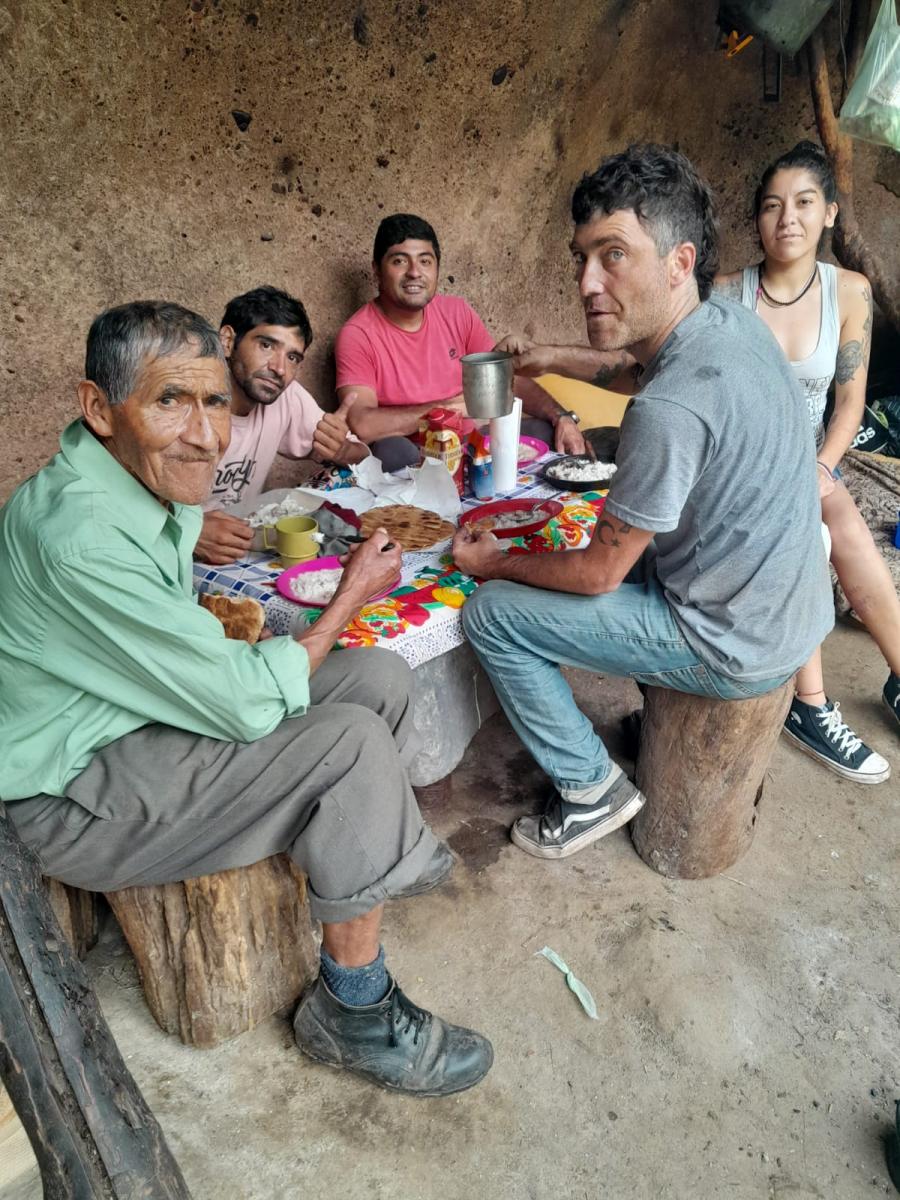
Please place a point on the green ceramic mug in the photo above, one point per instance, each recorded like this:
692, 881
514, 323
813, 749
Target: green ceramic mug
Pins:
293, 540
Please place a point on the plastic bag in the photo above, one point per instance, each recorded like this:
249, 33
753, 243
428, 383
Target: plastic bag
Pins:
872, 108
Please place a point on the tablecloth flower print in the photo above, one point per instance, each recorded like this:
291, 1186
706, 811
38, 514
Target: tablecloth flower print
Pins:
443, 586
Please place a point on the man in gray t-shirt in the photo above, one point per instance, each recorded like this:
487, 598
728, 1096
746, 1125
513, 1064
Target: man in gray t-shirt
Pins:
716, 468
717, 459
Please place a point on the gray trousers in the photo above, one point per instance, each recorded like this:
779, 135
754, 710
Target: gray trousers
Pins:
328, 788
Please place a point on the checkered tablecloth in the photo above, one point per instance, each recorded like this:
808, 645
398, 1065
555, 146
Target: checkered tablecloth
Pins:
420, 619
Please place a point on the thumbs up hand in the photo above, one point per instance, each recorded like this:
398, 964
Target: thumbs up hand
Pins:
330, 437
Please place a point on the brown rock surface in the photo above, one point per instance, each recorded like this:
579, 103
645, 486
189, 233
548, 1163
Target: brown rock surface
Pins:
126, 172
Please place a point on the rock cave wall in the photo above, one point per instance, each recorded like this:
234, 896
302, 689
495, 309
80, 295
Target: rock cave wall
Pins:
191, 149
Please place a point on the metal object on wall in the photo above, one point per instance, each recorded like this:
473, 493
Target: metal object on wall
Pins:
771, 71
785, 26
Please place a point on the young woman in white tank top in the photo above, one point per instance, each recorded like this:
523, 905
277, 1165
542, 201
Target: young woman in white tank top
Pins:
821, 316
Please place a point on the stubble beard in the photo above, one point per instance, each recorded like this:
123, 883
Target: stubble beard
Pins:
257, 394
642, 324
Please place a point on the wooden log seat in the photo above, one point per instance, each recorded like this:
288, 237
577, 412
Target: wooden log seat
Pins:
701, 765
77, 913
220, 953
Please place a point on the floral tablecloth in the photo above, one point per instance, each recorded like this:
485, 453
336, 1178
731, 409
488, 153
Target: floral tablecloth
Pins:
420, 619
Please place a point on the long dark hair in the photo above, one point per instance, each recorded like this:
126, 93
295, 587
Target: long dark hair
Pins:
805, 156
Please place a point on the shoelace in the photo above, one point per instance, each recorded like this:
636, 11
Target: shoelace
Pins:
838, 731
403, 1009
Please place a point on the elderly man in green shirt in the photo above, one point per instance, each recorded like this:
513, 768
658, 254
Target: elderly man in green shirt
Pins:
138, 745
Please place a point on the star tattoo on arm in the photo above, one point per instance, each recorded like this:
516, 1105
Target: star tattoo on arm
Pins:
610, 533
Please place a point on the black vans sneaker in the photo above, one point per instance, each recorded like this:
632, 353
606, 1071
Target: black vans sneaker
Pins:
891, 697
394, 1043
566, 828
820, 731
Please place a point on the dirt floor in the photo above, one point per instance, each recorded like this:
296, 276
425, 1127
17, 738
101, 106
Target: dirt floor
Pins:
747, 1044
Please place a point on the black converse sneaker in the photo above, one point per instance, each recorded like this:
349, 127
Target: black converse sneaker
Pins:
566, 828
821, 732
891, 696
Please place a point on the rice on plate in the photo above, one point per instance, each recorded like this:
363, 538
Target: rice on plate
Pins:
317, 587
586, 471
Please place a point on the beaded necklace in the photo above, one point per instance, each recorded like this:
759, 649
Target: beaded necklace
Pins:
773, 303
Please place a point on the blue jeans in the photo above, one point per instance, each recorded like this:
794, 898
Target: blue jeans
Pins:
523, 635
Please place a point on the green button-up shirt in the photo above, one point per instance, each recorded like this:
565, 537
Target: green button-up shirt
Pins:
100, 632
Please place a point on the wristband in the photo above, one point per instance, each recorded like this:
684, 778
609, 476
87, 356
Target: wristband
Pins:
825, 467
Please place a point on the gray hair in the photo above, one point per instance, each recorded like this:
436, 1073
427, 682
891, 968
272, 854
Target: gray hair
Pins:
122, 339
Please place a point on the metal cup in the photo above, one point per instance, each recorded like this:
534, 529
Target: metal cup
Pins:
488, 384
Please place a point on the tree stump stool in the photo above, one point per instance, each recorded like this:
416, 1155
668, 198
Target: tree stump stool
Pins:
220, 953
701, 765
77, 914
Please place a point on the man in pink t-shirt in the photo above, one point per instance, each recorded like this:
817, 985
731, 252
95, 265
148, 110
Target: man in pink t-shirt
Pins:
398, 356
265, 334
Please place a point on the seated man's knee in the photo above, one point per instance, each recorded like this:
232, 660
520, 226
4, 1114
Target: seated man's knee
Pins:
395, 453
358, 729
491, 603
392, 673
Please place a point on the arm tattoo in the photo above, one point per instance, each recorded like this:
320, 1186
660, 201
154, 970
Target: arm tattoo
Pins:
609, 371
855, 354
729, 288
609, 533
849, 358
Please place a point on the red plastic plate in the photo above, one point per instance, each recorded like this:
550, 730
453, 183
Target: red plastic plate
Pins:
544, 510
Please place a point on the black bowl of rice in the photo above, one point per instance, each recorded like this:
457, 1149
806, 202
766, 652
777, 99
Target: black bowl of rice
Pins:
579, 473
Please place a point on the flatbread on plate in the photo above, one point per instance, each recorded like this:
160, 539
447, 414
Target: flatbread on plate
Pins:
414, 528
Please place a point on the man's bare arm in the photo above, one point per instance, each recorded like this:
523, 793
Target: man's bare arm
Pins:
368, 570
600, 568
537, 402
600, 367
369, 422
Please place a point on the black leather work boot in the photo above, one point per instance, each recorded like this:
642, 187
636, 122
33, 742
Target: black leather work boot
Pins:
393, 1043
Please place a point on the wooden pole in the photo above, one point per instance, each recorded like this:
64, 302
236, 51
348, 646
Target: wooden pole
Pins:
701, 765
93, 1134
850, 247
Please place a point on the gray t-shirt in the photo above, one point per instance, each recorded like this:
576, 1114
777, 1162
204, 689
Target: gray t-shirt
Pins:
717, 458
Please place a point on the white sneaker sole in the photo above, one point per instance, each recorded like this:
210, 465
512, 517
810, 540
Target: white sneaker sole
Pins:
844, 772
608, 825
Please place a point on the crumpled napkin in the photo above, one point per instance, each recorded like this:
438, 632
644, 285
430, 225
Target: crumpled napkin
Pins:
429, 486
585, 999
335, 531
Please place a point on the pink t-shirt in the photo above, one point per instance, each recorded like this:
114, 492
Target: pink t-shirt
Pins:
410, 368
284, 427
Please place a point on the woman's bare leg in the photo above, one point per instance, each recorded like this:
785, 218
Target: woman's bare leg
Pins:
863, 573
809, 685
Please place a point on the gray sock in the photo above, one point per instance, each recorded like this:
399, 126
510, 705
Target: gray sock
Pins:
356, 986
